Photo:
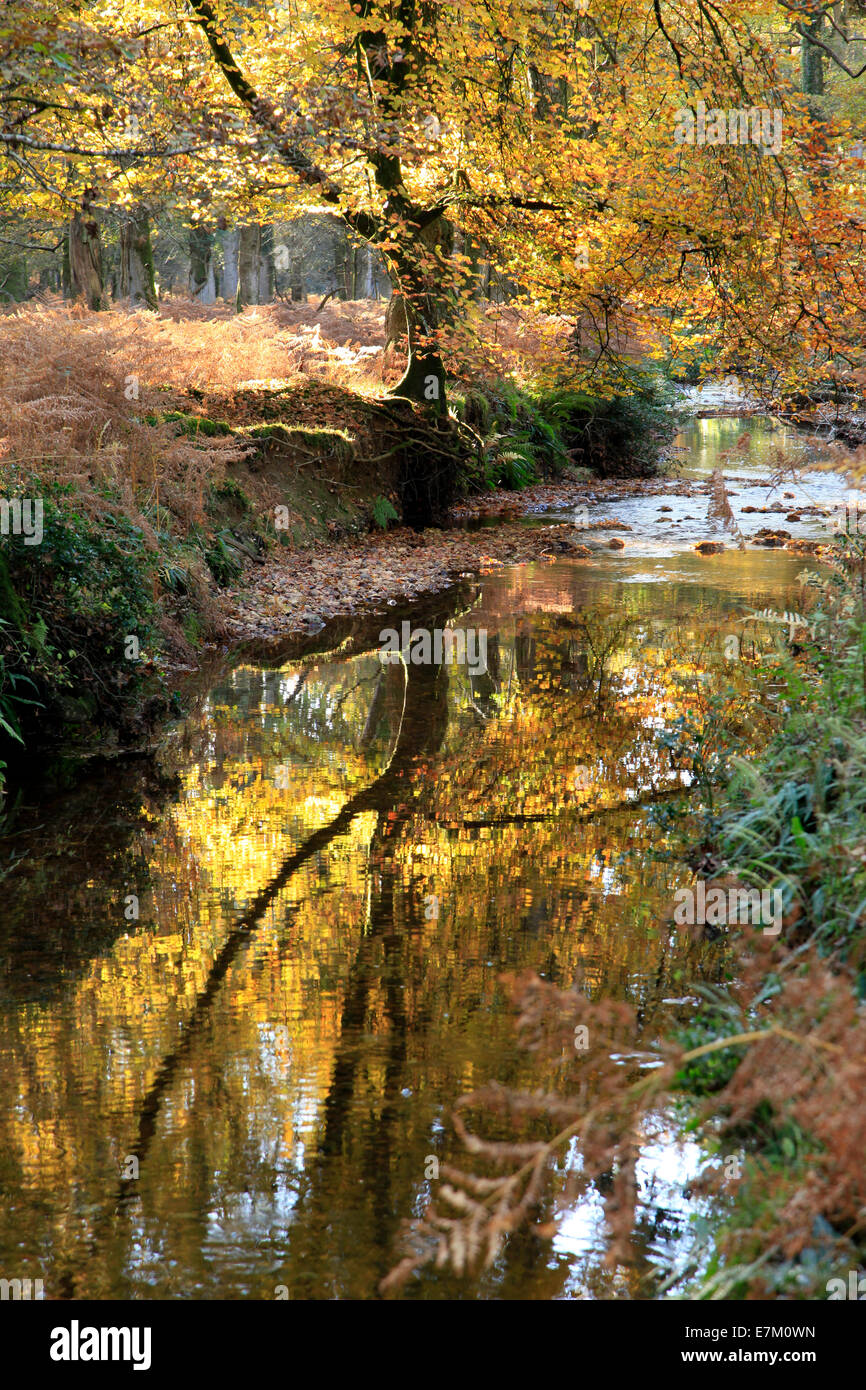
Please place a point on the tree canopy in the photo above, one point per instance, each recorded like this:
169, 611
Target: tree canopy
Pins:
551, 133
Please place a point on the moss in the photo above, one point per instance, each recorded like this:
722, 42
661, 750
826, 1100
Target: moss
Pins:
473, 407
332, 444
229, 490
70, 606
190, 424
192, 629
267, 431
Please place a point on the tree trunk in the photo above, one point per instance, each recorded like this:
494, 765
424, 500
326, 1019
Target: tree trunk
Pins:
85, 256
249, 266
423, 380
395, 321
426, 286
202, 280
231, 249
137, 281
812, 62
266, 265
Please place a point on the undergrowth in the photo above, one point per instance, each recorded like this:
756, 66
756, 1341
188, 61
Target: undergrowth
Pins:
76, 626
136, 431
524, 434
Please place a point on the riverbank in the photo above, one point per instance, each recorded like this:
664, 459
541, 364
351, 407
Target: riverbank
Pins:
147, 616
793, 823
164, 492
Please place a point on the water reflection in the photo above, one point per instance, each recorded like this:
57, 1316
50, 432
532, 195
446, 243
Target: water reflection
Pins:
240, 1088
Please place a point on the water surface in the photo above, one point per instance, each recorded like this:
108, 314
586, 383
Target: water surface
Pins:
242, 984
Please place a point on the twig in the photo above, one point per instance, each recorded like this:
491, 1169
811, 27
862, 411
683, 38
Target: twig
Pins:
328, 296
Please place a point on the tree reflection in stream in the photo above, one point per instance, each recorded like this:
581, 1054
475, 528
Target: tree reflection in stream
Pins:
278, 1040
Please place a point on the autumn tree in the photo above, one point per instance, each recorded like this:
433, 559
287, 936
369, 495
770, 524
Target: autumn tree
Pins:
544, 133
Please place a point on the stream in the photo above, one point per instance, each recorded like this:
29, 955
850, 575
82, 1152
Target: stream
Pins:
243, 983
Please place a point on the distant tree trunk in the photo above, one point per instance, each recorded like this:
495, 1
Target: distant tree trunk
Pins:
85, 256
478, 269
540, 97
296, 280
812, 60
248, 266
255, 272
341, 257
231, 250
137, 280
812, 78
266, 265
14, 280
65, 270
202, 280
362, 272
368, 282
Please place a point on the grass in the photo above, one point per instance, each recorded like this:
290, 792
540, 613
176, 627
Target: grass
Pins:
70, 621
796, 819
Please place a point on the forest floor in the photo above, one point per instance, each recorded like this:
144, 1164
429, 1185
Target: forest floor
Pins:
192, 425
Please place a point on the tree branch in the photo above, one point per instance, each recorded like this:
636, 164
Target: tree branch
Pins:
63, 147
262, 113
676, 52
818, 43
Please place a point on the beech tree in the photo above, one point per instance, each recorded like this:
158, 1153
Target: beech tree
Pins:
543, 133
